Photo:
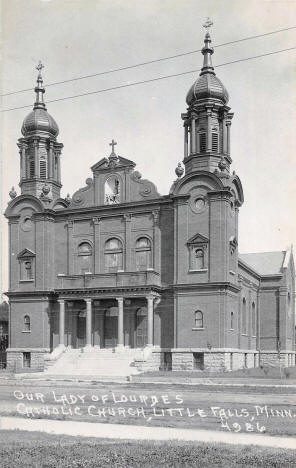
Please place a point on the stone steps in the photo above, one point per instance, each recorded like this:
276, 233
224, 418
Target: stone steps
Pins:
94, 361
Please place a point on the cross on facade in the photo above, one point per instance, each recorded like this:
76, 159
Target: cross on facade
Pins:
208, 24
39, 66
113, 143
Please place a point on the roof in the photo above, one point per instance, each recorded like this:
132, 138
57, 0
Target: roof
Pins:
265, 263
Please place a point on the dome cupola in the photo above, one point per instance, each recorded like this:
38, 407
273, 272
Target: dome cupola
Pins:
207, 86
39, 121
40, 152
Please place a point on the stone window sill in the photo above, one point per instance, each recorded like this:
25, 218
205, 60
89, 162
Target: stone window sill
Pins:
194, 329
202, 270
231, 329
27, 281
244, 334
26, 331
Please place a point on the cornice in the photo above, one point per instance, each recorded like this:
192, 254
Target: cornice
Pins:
217, 286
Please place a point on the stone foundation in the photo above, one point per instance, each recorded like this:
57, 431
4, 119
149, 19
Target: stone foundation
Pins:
274, 359
15, 359
215, 360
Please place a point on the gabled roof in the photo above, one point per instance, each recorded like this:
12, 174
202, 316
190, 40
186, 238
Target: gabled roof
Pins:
265, 263
105, 162
26, 253
198, 239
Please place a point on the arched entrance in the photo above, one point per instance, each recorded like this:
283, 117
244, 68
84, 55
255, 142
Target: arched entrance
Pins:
111, 327
141, 327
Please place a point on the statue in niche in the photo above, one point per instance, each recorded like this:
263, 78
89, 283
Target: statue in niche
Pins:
112, 190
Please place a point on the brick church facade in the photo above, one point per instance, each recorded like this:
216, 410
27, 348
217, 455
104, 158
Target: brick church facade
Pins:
119, 266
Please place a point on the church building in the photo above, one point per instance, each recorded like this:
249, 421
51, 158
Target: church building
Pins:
120, 270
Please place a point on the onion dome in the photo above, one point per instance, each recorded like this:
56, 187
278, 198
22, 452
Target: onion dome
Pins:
39, 120
207, 86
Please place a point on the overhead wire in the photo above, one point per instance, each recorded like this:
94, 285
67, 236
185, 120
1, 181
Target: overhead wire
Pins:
136, 83
150, 61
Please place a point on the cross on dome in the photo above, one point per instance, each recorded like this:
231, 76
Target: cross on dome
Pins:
208, 24
39, 67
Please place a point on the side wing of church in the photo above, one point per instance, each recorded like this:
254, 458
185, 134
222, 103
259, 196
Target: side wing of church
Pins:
118, 267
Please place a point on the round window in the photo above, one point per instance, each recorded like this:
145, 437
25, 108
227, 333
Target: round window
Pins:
199, 204
27, 224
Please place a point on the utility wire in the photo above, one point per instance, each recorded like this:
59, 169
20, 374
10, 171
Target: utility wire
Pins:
151, 80
149, 62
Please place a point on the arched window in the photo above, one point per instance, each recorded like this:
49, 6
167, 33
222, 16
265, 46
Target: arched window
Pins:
113, 255
84, 258
112, 193
143, 254
28, 269
198, 319
231, 320
254, 319
27, 323
244, 317
198, 259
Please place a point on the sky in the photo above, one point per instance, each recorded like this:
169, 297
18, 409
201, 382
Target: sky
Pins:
75, 38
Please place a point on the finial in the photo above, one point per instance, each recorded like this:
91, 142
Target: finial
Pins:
68, 199
12, 193
39, 67
39, 89
207, 50
208, 23
179, 170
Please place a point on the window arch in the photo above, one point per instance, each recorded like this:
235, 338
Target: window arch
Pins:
254, 319
244, 317
27, 323
84, 254
231, 320
113, 255
28, 269
143, 254
198, 319
198, 259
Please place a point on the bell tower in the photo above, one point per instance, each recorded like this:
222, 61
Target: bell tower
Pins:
40, 153
208, 119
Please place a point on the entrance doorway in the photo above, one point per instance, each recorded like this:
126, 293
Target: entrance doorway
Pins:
111, 327
81, 329
141, 327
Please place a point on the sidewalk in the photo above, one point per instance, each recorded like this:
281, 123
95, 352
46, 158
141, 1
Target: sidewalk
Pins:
118, 431
239, 382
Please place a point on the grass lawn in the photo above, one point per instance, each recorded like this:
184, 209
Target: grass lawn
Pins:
21, 449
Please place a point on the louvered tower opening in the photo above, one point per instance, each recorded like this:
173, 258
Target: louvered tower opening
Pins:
215, 148
31, 168
202, 142
43, 169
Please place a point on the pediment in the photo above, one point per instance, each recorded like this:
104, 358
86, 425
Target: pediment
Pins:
106, 164
198, 239
26, 253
